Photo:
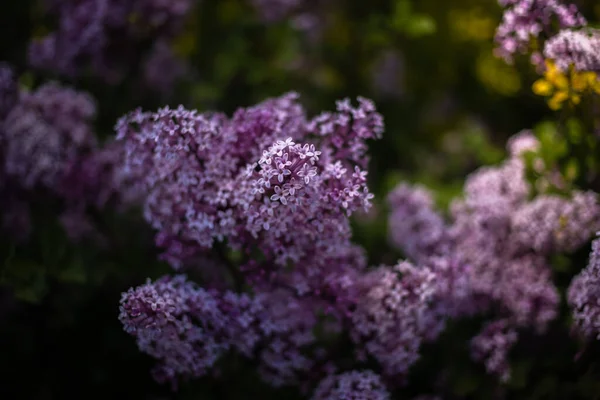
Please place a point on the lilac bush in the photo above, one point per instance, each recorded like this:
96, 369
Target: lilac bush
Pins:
505, 236
251, 223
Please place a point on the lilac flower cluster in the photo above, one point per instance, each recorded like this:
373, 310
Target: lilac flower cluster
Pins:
394, 313
101, 34
278, 188
584, 294
44, 131
492, 346
353, 385
400, 307
188, 329
48, 144
504, 237
177, 323
416, 227
560, 224
580, 49
524, 20
266, 178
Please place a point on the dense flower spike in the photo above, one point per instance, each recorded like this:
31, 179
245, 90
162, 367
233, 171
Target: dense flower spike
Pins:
344, 133
257, 179
414, 226
395, 312
525, 20
285, 326
187, 329
101, 34
175, 154
584, 296
556, 224
179, 324
353, 385
492, 346
44, 132
454, 287
579, 49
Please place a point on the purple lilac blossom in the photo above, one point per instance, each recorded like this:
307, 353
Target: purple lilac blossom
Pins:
522, 142
258, 179
353, 385
490, 234
524, 20
414, 225
492, 346
579, 49
395, 312
483, 238
483, 234
285, 326
187, 329
584, 296
454, 287
97, 34
179, 324
46, 130
557, 224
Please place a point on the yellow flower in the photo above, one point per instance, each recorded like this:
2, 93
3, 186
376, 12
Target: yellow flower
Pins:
555, 76
542, 87
556, 101
561, 88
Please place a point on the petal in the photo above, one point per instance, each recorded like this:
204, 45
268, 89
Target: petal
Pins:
542, 87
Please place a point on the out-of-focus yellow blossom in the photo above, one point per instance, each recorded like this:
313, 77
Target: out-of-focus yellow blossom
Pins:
471, 25
561, 87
